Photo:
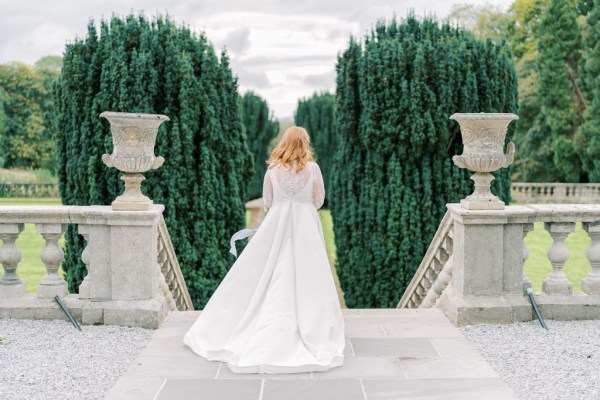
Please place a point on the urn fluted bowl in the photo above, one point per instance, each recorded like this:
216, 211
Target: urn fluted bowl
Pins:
134, 137
483, 136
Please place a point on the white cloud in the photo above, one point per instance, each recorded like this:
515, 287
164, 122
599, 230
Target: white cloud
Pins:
282, 49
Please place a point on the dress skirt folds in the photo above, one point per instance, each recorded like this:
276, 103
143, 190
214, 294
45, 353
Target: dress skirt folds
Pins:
277, 309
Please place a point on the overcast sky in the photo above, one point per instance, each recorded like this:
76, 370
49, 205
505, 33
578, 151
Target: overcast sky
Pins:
283, 49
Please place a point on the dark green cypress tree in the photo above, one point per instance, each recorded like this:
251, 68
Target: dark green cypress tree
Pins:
587, 139
317, 115
392, 174
138, 65
561, 98
261, 128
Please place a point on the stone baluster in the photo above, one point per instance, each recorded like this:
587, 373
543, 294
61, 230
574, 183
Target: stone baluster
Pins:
526, 282
591, 283
52, 283
84, 288
10, 256
557, 282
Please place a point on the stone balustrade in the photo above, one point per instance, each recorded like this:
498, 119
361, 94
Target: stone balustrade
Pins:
572, 193
487, 282
127, 282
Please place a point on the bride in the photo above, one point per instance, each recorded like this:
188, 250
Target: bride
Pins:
277, 310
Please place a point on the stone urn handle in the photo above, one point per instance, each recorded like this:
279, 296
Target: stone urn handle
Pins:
158, 161
459, 162
510, 155
106, 159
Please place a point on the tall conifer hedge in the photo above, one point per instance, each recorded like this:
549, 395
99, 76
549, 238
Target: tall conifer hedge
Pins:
317, 115
137, 65
261, 129
393, 174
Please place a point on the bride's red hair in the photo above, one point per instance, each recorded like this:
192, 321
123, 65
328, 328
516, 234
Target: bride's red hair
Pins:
294, 146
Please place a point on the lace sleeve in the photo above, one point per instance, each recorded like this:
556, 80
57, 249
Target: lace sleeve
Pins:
318, 187
267, 191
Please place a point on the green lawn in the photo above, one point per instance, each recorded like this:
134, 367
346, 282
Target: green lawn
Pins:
31, 269
537, 266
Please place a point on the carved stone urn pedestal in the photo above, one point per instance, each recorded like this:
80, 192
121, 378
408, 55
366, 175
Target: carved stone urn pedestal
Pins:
134, 137
483, 137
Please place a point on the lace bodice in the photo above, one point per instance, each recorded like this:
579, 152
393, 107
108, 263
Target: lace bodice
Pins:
284, 183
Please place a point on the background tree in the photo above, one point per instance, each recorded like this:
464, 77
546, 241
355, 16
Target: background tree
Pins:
561, 98
3, 123
534, 161
486, 21
261, 128
137, 65
317, 115
587, 139
28, 114
393, 174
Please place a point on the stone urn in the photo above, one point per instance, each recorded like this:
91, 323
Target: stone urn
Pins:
483, 136
134, 137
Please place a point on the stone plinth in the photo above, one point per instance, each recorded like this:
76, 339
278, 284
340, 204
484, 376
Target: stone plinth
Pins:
257, 212
121, 287
487, 283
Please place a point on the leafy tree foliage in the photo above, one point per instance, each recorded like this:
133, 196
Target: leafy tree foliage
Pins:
27, 116
317, 115
561, 99
392, 174
484, 20
261, 128
138, 65
587, 139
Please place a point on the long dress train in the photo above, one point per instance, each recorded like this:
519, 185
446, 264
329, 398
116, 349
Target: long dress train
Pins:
277, 309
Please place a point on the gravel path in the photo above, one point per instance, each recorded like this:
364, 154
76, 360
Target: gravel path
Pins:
53, 360
562, 363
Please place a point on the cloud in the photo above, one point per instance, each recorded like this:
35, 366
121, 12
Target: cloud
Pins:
252, 79
321, 81
284, 49
238, 40
266, 61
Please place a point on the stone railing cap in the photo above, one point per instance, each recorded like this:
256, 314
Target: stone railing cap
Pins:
256, 203
123, 115
484, 116
528, 214
78, 215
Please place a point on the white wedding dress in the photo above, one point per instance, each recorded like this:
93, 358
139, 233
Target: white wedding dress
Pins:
277, 309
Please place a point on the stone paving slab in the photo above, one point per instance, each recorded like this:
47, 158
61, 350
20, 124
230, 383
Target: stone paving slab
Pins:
389, 354
438, 389
347, 389
378, 347
210, 389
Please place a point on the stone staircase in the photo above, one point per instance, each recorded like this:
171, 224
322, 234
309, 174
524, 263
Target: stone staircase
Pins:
435, 271
171, 280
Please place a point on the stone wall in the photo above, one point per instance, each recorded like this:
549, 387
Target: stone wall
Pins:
555, 193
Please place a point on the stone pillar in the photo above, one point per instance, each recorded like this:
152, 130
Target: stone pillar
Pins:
526, 282
487, 276
52, 283
10, 256
123, 268
257, 212
591, 283
84, 288
558, 254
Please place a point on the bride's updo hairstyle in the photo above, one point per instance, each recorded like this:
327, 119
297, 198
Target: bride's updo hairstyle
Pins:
294, 146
